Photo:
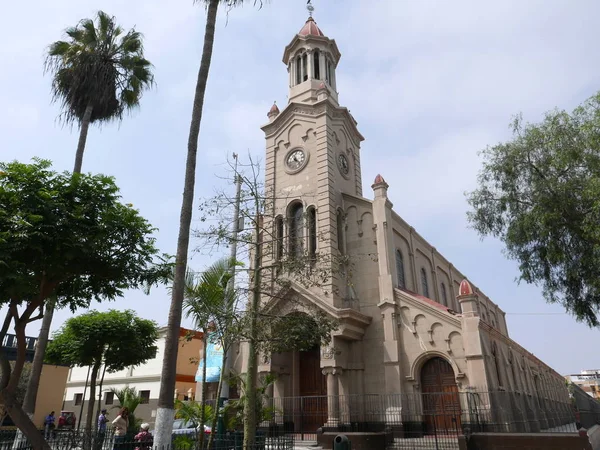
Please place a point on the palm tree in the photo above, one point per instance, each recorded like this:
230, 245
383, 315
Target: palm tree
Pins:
209, 303
166, 411
129, 398
194, 413
98, 74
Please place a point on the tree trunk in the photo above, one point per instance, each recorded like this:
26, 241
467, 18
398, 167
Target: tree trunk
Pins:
42, 343
23, 422
204, 389
90, 408
100, 398
7, 393
166, 412
213, 425
38, 360
85, 124
251, 375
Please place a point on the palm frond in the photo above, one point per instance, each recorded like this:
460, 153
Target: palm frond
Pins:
98, 66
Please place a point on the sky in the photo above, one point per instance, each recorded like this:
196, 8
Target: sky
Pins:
430, 82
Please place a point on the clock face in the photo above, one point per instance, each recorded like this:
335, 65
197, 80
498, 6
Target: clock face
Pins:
343, 164
295, 160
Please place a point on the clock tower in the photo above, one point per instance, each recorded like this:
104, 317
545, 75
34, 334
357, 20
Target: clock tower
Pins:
312, 160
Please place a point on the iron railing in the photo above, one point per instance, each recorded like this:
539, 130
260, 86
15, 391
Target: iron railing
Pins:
73, 440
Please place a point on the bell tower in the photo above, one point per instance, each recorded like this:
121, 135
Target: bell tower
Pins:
312, 159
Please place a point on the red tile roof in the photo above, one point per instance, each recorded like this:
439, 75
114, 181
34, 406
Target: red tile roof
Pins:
310, 28
429, 301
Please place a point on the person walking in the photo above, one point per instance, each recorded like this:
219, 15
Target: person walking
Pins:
120, 425
49, 425
102, 420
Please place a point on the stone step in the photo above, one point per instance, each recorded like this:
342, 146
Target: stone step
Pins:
307, 445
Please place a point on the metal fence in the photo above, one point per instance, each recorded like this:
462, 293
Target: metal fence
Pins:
432, 420
588, 408
403, 421
72, 440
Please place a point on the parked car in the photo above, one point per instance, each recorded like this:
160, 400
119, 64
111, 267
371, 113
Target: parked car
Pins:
67, 420
181, 426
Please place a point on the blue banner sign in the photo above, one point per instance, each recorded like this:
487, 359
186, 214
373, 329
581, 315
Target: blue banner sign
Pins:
214, 360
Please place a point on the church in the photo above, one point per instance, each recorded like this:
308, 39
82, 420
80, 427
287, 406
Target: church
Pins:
411, 325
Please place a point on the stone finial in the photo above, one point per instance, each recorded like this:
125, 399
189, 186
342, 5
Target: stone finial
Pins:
379, 180
467, 299
465, 288
380, 187
273, 112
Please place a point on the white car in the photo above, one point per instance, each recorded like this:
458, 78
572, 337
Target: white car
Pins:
181, 426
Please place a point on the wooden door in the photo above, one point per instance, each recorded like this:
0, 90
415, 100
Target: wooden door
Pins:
313, 391
441, 403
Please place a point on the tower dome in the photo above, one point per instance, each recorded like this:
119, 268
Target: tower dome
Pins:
311, 28
311, 58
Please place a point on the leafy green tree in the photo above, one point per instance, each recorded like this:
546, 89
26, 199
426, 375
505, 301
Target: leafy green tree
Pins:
166, 411
115, 339
539, 193
64, 238
99, 72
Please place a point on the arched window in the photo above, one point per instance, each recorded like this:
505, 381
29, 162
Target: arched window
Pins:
296, 229
444, 295
304, 67
298, 70
316, 64
312, 232
424, 284
279, 238
400, 270
340, 231
511, 363
496, 363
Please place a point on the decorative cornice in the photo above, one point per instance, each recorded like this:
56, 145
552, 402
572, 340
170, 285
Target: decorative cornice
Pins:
314, 110
120, 380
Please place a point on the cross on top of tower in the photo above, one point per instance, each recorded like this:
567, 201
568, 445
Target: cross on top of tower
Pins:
310, 8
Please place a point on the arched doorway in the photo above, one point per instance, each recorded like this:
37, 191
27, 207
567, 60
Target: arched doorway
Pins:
312, 388
441, 403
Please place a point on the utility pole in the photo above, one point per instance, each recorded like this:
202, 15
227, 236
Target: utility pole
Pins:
236, 228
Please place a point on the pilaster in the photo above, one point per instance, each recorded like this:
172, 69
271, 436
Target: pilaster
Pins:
382, 218
476, 372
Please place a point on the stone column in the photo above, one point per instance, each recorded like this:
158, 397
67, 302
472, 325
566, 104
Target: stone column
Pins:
309, 65
322, 62
344, 391
333, 416
278, 398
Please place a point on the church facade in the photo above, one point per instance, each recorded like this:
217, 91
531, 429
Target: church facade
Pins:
410, 323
